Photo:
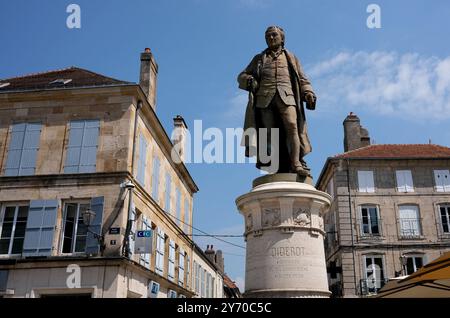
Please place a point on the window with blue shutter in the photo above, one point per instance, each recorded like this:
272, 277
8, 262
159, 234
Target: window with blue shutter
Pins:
93, 242
168, 189
155, 182
144, 259
142, 162
23, 149
40, 230
81, 153
75, 233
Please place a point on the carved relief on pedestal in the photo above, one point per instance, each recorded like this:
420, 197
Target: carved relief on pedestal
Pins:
271, 216
249, 222
302, 217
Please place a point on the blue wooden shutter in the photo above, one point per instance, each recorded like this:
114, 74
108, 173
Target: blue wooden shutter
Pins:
142, 162
92, 243
155, 179
168, 188
40, 228
81, 153
3, 280
23, 149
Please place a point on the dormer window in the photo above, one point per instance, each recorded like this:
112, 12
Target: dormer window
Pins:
61, 81
2, 85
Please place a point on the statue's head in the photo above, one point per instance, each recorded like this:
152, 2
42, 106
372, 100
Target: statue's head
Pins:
274, 36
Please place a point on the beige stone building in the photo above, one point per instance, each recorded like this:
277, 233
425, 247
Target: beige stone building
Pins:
74, 143
207, 273
390, 213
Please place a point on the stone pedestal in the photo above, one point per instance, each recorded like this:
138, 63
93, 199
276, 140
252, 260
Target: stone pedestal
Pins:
284, 232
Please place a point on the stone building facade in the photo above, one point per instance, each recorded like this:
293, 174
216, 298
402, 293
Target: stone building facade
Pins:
390, 213
73, 141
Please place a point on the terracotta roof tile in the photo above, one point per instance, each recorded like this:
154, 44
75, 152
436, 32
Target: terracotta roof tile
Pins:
227, 281
79, 78
388, 151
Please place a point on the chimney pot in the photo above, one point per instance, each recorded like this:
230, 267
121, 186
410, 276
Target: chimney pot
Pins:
147, 50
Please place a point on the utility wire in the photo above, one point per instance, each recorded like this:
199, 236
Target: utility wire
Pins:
207, 234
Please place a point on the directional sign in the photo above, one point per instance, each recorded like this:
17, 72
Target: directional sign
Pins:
143, 242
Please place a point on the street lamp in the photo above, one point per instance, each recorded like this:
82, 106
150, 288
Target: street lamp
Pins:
88, 216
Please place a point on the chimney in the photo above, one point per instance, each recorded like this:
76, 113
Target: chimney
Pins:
355, 136
148, 76
220, 261
179, 137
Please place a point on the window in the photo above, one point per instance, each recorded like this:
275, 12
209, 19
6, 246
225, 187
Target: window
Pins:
188, 271
144, 258
81, 153
442, 180
178, 208
181, 268
409, 221
202, 283
413, 263
142, 160
132, 236
404, 181
208, 285
445, 217
186, 215
365, 181
172, 294
370, 220
160, 247
171, 274
23, 148
155, 182
12, 228
168, 188
74, 230
373, 274
196, 278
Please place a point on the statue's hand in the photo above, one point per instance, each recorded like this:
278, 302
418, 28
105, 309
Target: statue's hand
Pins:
252, 84
310, 101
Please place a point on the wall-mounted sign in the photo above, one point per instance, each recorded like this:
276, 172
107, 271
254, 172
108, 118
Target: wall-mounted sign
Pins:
114, 230
143, 242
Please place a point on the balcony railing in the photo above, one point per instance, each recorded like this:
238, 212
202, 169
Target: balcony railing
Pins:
410, 228
371, 286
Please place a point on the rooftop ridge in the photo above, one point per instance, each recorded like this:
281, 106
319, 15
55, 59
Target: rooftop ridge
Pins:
39, 73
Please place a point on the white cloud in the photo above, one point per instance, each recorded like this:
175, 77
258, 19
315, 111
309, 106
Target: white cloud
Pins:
404, 85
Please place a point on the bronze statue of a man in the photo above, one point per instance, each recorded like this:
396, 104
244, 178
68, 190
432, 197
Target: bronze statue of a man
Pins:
277, 90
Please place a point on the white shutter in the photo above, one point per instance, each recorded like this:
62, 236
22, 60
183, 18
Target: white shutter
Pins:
181, 268
132, 236
144, 259
160, 252
171, 273
404, 181
401, 183
442, 180
365, 181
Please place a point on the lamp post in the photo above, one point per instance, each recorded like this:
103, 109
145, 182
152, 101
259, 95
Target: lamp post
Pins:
404, 261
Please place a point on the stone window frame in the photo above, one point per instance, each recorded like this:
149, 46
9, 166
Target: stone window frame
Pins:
359, 220
372, 254
358, 181
441, 233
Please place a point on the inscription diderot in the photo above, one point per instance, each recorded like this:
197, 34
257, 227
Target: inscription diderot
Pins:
271, 217
287, 251
302, 217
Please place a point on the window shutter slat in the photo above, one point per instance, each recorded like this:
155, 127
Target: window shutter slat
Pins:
155, 184
92, 243
81, 153
40, 228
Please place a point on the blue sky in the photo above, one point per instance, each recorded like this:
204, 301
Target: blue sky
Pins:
396, 79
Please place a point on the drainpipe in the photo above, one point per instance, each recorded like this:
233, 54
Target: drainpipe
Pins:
130, 186
351, 225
